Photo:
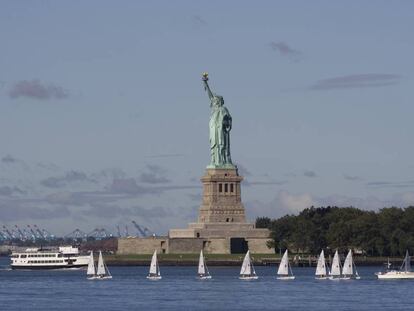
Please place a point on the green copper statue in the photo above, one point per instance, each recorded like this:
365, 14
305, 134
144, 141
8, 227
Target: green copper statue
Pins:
220, 126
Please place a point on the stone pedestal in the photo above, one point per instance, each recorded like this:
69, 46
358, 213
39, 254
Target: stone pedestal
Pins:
221, 197
221, 226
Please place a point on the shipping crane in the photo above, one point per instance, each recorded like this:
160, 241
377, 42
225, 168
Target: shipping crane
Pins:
21, 234
9, 233
36, 228
126, 231
119, 231
76, 234
99, 233
143, 231
34, 233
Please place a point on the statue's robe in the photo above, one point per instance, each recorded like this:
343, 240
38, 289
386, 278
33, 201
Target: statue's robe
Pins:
220, 125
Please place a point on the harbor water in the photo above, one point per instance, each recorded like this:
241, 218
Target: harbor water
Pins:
179, 289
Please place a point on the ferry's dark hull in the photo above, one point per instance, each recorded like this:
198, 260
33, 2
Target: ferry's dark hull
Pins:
51, 267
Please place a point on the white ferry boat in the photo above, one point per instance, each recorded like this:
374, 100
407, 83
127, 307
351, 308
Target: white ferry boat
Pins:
44, 258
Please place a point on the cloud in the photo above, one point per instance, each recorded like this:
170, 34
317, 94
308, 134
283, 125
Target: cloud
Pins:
83, 198
293, 202
129, 186
166, 155
357, 81
310, 174
248, 183
195, 197
391, 184
9, 191
69, 177
243, 171
8, 159
285, 50
48, 166
17, 210
36, 90
154, 175
108, 211
284, 203
198, 21
349, 177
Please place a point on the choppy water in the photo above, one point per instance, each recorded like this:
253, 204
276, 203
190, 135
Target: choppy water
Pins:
180, 290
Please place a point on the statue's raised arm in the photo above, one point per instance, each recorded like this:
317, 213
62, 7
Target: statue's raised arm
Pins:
206, 86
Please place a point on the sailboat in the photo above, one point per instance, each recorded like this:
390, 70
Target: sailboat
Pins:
404, 272
321, 272
284, 268
154, 271
102, 271
335, 268
349, 267
203, 272
91, 272
247, 270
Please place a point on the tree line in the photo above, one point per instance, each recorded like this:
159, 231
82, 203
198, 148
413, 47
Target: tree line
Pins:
388, 232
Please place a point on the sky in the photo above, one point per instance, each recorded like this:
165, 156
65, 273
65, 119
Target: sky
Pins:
104, 119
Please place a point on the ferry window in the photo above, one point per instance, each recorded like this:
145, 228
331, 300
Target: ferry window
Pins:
226, 189
231, 188
23, 256
220, 188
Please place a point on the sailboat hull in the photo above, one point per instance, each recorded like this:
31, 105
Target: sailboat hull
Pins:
335, 278
106, 277
205, 277
254, 277
341, 278
395, 275
322, 277
154, 278
286, 278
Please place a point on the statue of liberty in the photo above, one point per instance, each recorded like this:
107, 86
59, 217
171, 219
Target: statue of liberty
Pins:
220, 126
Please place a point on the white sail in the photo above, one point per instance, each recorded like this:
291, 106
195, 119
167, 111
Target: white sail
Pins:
91, 266
154, 270
246, 268
201, 265
284, 265
348, 268
321, 267
101, 266
406, 265
336, 265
